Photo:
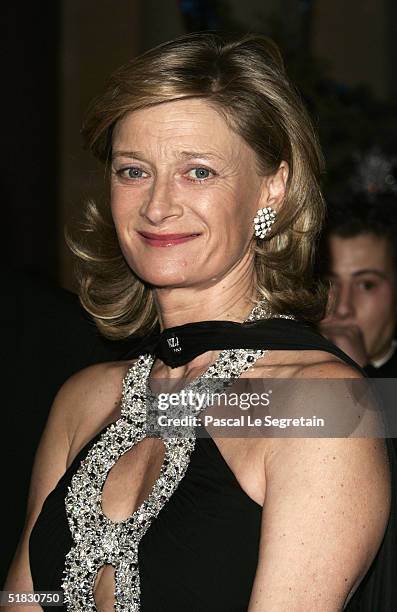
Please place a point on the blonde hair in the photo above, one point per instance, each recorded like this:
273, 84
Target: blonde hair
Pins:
244, 78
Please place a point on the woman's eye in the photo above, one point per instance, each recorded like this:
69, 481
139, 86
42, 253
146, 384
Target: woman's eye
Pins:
200, 174
131, 173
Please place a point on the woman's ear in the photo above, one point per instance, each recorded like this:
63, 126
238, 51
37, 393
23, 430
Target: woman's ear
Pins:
274, 187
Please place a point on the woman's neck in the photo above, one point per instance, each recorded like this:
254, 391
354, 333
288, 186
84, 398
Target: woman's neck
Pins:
223, 302
189, 305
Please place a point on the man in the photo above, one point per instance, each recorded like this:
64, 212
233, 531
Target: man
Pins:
363, 295
359, 259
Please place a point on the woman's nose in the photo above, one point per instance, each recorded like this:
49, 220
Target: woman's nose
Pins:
160, 202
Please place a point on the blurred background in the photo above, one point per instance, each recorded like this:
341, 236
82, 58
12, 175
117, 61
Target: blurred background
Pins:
341, 53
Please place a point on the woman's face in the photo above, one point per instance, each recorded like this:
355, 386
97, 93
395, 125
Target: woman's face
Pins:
185, 190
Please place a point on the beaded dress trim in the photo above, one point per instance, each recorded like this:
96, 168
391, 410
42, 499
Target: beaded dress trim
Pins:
97, 539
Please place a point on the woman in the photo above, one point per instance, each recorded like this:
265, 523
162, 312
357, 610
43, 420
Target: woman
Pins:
215, 203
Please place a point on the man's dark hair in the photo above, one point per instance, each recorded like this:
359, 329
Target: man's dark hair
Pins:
352, 214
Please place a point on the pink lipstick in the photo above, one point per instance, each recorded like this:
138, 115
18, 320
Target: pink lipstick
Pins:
166, 240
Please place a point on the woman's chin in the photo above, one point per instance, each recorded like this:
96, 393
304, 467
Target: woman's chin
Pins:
167, 281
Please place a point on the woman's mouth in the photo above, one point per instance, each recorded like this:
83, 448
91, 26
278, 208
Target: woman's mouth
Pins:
166, 240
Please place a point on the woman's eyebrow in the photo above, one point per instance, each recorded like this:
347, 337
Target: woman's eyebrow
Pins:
132, 154
182, 154
191, 154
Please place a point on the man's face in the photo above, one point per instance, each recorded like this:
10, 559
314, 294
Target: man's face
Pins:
363, 289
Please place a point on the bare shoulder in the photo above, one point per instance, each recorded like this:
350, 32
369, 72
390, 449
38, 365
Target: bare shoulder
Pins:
89, 399
97, 384
308, 384
303, 364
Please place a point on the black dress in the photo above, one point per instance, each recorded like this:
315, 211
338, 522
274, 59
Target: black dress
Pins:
201, 552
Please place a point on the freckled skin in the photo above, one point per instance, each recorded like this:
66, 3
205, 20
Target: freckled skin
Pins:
366, 300
165, 200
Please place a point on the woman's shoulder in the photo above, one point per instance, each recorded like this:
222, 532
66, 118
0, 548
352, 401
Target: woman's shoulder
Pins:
95, 383
309, 363
307, 383
90, 399
297, 349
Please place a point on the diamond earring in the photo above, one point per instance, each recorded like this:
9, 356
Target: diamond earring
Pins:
265, 217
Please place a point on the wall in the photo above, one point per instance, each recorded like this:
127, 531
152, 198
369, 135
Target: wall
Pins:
353, 37
97, 37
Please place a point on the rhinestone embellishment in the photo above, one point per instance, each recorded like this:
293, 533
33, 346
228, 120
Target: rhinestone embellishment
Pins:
99, 540
265, 217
